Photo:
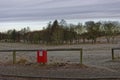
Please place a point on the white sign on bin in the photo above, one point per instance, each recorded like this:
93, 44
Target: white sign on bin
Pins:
41, 54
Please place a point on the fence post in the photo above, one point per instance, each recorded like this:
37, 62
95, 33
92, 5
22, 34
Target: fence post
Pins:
14, 57
112, 54
81, 56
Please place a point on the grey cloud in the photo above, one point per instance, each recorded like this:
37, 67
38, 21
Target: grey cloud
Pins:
25, 10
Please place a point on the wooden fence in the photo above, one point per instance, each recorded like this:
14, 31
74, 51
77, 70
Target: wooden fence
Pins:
33, 50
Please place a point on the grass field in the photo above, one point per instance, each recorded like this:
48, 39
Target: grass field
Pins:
94, 55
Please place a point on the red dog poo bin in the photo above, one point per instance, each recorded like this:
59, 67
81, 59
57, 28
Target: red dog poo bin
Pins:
42, 56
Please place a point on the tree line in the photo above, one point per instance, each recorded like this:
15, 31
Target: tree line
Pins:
63, 33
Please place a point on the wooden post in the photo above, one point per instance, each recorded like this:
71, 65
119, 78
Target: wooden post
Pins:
112, 54
81, 56
14, 57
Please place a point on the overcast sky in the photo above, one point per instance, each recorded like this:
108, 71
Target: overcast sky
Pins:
37, 13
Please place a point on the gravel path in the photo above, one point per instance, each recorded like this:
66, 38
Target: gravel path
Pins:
61, 71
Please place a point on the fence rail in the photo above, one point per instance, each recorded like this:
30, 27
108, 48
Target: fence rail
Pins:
33, 50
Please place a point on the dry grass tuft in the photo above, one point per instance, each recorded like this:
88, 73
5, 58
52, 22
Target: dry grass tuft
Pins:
22, 61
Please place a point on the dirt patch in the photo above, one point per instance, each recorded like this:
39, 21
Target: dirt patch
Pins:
60, 66
57, 70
